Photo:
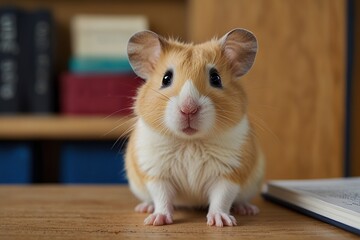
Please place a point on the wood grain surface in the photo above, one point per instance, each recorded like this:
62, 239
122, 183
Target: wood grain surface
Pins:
106, 212
64, 127
355, 101
296, 87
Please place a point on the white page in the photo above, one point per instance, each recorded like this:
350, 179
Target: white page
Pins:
342, 192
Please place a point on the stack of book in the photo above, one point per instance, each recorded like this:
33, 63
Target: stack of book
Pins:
26, 61
100, 79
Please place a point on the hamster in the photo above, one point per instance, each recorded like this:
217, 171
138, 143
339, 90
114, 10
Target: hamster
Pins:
192, 143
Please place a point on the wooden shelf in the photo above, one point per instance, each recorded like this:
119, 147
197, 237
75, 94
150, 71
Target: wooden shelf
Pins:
64, 127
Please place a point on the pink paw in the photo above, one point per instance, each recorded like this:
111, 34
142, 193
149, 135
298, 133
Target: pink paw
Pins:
220, 219
158, 219
145, 208
245, 209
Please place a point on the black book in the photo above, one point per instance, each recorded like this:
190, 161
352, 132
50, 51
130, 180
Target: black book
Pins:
40, 61
10, 99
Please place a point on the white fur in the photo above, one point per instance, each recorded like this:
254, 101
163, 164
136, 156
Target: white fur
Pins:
222, 194
205, 118
221, 197
192, 167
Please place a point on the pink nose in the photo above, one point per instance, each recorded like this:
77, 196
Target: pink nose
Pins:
189, 111
189, 107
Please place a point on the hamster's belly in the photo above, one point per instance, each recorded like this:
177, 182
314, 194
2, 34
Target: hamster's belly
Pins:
192, 169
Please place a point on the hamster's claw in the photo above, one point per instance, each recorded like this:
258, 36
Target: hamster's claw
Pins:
158, 219
220, 219
145, 208
245, 209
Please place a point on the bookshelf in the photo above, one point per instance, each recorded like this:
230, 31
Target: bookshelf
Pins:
27, 127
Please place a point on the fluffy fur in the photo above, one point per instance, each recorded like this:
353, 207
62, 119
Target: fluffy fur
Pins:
192, 144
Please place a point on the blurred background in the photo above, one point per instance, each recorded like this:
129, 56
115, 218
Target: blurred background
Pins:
66, 85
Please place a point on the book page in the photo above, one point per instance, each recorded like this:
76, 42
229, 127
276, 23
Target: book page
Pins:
341, 192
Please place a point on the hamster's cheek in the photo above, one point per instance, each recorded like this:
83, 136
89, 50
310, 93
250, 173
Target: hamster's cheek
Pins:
207, 115
190, 126
173, 116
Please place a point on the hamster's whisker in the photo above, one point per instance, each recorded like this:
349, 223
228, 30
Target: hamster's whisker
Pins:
122, 136
120, 125
228, 119
167, 98
219, 127
260, 123
120, 110
270, 107
253, 133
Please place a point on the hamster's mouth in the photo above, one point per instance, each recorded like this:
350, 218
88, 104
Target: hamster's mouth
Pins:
189, 130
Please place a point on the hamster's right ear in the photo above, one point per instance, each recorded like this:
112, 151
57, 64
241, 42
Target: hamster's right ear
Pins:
240, 47
144, 50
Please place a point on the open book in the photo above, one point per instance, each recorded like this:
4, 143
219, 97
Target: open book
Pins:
335, 201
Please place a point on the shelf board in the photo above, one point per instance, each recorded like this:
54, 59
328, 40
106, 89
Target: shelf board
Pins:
64, 127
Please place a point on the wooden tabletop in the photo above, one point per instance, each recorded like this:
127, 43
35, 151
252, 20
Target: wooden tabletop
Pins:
106, 212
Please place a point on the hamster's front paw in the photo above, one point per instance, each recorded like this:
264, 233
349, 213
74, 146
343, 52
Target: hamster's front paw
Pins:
145, 207
158, 219
245, 209
220, 219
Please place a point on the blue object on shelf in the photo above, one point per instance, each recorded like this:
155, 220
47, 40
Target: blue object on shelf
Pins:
91, 162
99, 65
15, 163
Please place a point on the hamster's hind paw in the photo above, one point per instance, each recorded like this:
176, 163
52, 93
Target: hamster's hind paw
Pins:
220, 219
245, 209
145, 208
158, 219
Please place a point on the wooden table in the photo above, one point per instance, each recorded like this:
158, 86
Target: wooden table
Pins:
106, 212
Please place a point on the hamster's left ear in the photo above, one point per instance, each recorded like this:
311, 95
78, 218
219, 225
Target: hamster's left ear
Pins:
144, 49
240, 47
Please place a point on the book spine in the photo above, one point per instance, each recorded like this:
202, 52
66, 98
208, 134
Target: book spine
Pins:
98, 94
41, 81
104, 36
9, 61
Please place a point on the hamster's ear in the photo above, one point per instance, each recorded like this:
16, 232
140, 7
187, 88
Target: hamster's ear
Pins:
240, 47
144, 50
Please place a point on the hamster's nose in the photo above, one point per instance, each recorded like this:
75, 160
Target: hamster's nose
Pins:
189, 111
189, 107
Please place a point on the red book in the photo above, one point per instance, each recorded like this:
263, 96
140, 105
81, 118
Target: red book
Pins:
98, 94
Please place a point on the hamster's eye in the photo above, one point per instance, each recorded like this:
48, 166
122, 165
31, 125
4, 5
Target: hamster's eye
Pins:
215, 79
167, 79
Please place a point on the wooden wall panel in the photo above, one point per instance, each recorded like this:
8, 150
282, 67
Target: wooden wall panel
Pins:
296, 87
355, 105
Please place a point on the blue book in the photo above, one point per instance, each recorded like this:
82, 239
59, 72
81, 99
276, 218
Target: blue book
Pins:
16, 163
99, 65
91, 162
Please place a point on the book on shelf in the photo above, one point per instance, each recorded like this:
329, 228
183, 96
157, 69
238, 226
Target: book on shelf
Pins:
26, 61
334, 201
41, 61
10, 97
91, 162
99, 65
98, 94
104, 35
16, 165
